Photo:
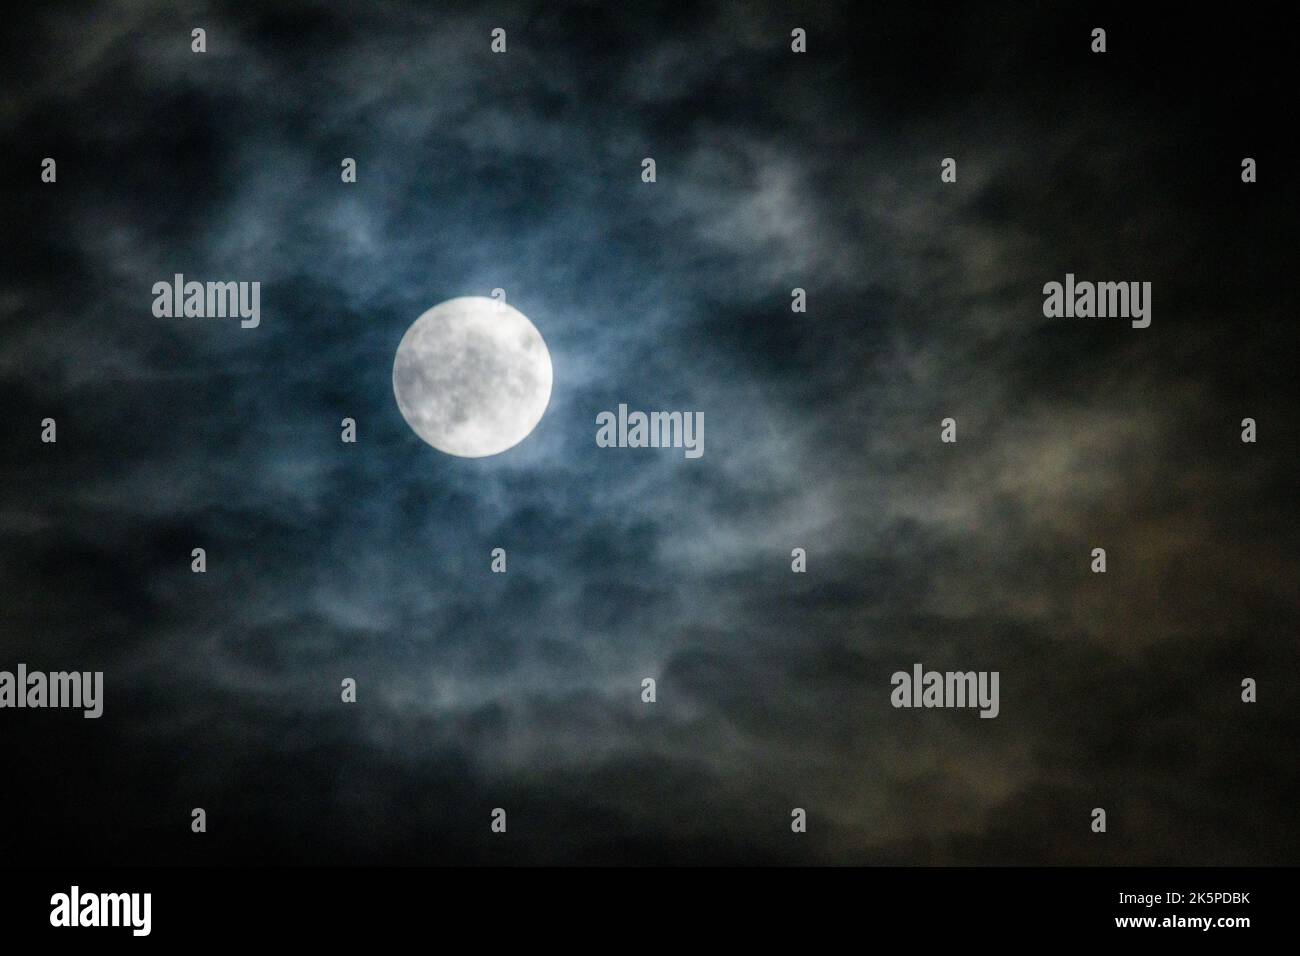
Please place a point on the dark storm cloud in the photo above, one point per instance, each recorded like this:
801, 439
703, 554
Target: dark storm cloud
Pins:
522, 690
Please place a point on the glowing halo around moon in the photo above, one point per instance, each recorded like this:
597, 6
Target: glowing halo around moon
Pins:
472, 377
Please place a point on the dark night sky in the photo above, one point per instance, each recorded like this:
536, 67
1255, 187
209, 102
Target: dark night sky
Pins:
522, 690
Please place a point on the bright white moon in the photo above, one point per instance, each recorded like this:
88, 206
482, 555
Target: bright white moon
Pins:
472, 377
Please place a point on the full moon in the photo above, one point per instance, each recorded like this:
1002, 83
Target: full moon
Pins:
472, 377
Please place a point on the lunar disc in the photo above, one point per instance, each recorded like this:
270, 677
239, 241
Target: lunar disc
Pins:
472, 377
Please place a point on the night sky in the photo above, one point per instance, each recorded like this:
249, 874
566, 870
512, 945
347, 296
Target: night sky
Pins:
522, 690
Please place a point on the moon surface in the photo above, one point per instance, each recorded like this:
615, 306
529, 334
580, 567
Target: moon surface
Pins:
472, 377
